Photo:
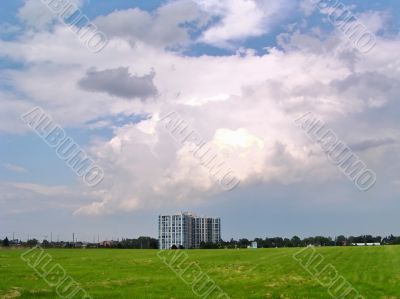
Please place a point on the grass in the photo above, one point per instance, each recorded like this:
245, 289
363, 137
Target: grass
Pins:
246, 273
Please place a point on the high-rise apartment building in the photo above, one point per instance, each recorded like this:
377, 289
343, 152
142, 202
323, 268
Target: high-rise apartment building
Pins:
187, 230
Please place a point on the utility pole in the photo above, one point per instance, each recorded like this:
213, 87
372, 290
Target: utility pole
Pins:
51, 237
73, 238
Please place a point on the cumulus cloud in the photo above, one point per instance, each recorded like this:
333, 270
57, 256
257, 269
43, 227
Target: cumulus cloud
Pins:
7, 28
243, 104
371, 143
34, 13
241, 19
307, 6
373, 89
219, 23
166, 27
119, 82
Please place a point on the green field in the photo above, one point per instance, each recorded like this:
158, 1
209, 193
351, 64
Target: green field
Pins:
245, 273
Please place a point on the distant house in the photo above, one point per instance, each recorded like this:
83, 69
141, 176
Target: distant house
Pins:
106, 243
253, 245
78, 245
366, 244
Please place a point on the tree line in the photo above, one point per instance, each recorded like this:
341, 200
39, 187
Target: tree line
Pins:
151, 243
139, 243
298, 242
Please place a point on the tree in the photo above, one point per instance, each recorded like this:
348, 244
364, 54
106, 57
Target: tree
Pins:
267, 243
341, 240
277, 242
243, 243
287, 243
296, 242
6, 243
32, 243
378, 239
174, 247
209, 245
369, 239
259, 242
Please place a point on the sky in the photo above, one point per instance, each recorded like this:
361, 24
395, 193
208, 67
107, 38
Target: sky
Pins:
239, 73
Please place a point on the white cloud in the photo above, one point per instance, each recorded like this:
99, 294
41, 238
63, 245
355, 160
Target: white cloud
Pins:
241, 19
15, 168
243, 104
27, 197
36, 14
163, 28
307, 6
7, 28
43, 189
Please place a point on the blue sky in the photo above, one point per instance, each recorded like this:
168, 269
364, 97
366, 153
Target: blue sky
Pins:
238, 75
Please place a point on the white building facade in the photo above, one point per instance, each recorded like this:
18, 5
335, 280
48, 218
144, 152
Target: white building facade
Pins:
187, 230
